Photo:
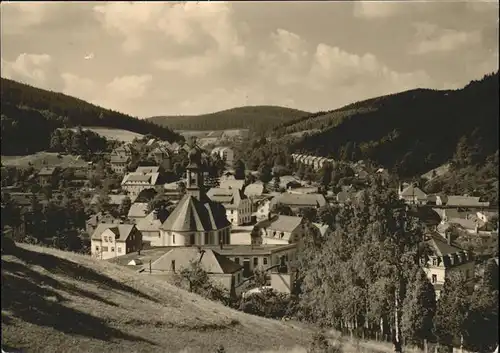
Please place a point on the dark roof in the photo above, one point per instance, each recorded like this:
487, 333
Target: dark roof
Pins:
191, 214
439, 245
303, 200
211, 261
122, 231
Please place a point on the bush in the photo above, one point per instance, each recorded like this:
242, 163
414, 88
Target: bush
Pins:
320, 344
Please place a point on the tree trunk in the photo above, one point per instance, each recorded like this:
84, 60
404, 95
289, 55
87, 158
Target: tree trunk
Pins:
397, 338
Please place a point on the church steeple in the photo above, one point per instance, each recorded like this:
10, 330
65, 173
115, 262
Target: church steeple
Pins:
194, 173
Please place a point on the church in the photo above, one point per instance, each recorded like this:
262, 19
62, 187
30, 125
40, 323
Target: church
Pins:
196, 220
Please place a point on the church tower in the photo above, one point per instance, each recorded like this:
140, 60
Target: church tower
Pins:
194, 173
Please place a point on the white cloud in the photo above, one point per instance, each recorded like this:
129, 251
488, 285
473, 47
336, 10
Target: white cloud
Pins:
430, 38
184, 23
28, 68
377, 9
121, 94
129, 87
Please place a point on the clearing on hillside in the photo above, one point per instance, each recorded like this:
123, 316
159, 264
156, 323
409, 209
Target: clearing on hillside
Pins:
43, 159
55, 301
114, 134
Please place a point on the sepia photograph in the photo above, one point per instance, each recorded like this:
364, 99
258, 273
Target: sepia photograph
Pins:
249, 176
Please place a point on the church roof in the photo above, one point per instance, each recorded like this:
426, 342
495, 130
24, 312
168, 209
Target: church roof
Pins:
191, 214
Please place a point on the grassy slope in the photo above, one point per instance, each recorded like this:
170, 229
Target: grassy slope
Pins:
37, 160
236, 118
54, 301
115, 134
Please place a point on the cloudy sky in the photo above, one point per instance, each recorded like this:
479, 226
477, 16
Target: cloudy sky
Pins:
150, 59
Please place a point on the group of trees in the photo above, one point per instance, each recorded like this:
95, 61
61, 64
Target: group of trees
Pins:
30, 115
257, 119
367, 277
79, 142
55, 223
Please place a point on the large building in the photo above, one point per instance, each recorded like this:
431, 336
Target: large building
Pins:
446, 258
196, 220
143, 178
111, 240
238, 206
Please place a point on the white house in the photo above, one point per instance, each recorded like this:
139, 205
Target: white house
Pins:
413, 195
111, 240
446, 258
281, 230
225, 153
238, 206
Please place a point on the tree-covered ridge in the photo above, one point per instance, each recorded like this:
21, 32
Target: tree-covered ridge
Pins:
29, 113
255, 118
412, 131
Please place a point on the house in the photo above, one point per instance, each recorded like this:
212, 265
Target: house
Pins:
263, 209
281, 230
262, 256
465, 202
224, 153
137, 211
446, 258
143, 178
238, 206
149, 227
196, 220
162, 157
93, 221
254, 190
46, 176
119, 163
299, 201
219, 268
111, 240
232, 184
413, 195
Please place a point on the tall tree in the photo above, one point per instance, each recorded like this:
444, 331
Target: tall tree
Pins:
239, 170
450, 323
419, 308
124, 206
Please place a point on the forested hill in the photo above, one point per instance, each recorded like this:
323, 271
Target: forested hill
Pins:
255, 118
30, 114
412, 131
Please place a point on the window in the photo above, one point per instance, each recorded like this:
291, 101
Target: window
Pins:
119, 250
238, 278
173, 238
112, 249
256, 261
434, 278
237, 260
466, 274
265, 261
105, 239
172, 265
96, 248
104, 248
434, 262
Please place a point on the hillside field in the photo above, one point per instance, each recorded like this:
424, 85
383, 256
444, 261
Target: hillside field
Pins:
114, 134
43, 159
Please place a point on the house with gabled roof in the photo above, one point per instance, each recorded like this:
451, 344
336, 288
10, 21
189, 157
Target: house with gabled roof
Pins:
162, 157
219, 268
196, 220
143, 178
238, 206
413, 195
446, 258
111, 240
137, 211
296, 202
281, 229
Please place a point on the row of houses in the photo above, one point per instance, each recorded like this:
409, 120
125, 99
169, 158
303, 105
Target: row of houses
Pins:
414, 195
309, 160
